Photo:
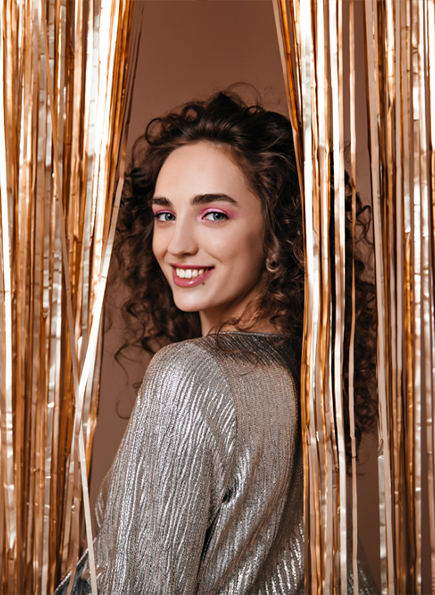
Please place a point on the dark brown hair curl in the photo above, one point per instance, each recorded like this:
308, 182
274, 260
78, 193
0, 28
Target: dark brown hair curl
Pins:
261, 143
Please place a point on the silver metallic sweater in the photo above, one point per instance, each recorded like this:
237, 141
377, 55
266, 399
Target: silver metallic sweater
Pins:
205, 495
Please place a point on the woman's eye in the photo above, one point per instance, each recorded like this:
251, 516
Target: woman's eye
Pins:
164, 216
215, 216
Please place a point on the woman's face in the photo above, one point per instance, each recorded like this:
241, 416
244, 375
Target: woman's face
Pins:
208, 233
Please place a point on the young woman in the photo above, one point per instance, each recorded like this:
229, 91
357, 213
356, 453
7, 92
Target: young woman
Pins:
205, 494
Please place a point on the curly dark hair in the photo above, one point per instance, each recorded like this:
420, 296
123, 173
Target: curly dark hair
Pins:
261, 143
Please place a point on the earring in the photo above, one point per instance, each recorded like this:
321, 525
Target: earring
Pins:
271, 264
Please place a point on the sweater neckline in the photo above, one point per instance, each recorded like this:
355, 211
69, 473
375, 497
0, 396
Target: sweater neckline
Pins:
245, 333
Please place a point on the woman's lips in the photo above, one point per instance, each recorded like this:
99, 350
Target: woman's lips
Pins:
185, 276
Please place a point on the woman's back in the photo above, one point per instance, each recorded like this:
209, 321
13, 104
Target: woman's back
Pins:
205, 495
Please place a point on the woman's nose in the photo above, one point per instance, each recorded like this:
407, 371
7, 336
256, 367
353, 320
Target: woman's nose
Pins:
183, 239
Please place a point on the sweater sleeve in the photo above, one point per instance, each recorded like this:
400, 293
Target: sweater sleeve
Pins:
169, 477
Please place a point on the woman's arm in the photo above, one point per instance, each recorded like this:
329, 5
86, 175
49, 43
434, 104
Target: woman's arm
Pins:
169, 477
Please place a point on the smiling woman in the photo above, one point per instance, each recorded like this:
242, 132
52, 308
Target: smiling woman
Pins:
220, 156
205, 493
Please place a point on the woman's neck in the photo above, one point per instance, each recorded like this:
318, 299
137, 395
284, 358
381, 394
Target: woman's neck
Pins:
258, 326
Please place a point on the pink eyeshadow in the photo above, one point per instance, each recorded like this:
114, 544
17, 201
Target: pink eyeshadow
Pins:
232, 214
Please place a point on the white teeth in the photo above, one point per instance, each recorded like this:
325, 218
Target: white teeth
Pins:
189, 273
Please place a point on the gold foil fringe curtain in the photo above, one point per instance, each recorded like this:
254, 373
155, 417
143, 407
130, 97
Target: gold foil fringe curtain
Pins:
62, 104
400, 84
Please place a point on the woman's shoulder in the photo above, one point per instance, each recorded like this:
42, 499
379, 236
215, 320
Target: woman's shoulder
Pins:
213, 347
182, 377
219, 364
216, 365
183, 358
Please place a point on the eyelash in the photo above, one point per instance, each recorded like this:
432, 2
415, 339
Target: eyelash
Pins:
158, 216
220, 213
222, 216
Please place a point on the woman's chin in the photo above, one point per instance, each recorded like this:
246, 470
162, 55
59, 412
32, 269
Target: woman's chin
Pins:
186, 307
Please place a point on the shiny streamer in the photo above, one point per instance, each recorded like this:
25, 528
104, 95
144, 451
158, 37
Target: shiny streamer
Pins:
321, 80
352, 97
64, 76
400, 82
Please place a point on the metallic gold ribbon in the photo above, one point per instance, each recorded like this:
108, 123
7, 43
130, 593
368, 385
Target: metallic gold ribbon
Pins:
400, 77
51, 257
301, 28
7, 435
417, 285
287, 61
336, 59
311, 276
408, 572
387, 581
430, 398
352, 105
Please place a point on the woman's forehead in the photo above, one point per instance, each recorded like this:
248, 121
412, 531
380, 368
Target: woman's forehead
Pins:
198, 169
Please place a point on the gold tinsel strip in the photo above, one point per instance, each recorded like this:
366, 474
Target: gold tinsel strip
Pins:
7, 466
311, 268
416, 214
397, 273
430, 397
404, 576
352, 101
336, 61
321, 200
283, 20
400, 78
305, 28
374, 117
62, 103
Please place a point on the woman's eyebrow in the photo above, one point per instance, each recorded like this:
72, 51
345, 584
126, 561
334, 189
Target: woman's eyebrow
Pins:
199, 199
205, 199
161, 201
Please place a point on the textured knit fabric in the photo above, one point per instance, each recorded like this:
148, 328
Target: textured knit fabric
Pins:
205, 495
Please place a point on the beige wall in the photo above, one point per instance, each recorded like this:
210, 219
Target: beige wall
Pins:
188, 50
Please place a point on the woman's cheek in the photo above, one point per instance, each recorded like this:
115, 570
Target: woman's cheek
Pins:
219, 243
